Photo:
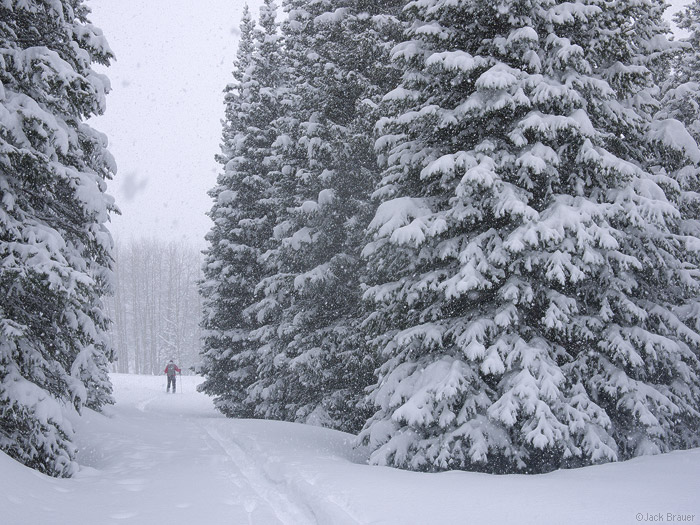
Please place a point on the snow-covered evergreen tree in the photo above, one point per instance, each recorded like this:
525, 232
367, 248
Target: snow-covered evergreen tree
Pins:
529, 249
681, 104
242, 215
313, 359
55, 251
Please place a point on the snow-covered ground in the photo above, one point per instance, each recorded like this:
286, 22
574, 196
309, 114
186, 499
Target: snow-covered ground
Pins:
171, 458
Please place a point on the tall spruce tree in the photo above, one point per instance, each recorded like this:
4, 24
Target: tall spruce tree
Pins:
313, 360
242, 214
528, 256
55, 261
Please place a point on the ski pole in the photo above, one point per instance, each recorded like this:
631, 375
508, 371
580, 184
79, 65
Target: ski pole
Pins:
181, 382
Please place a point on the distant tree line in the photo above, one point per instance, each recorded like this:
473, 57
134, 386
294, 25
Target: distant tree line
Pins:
467, 230
156, 307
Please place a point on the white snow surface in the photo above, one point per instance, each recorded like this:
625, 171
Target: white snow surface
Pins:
171, 458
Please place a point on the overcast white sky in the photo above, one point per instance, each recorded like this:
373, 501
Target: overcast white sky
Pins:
174, 58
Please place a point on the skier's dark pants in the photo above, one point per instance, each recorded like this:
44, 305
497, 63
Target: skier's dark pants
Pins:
171, 379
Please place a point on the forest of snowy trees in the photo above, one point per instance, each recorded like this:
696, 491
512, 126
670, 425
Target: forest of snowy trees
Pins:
466, 230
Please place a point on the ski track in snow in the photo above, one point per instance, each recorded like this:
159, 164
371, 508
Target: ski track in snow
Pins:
258, 488
261, 488
142, 405
275, 494
294, 498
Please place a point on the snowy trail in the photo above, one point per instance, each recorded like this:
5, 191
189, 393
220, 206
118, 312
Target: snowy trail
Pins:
156, 457
171, 458
184, 465
157, 463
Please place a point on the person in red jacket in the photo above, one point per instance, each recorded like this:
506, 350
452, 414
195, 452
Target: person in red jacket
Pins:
171, 369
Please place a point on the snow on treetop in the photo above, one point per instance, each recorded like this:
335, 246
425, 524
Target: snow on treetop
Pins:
569, 12
674, 134
401, 219
457, 60
499, 76
332, 17
523, 33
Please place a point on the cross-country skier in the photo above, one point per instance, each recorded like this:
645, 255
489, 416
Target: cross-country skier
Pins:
171, 369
